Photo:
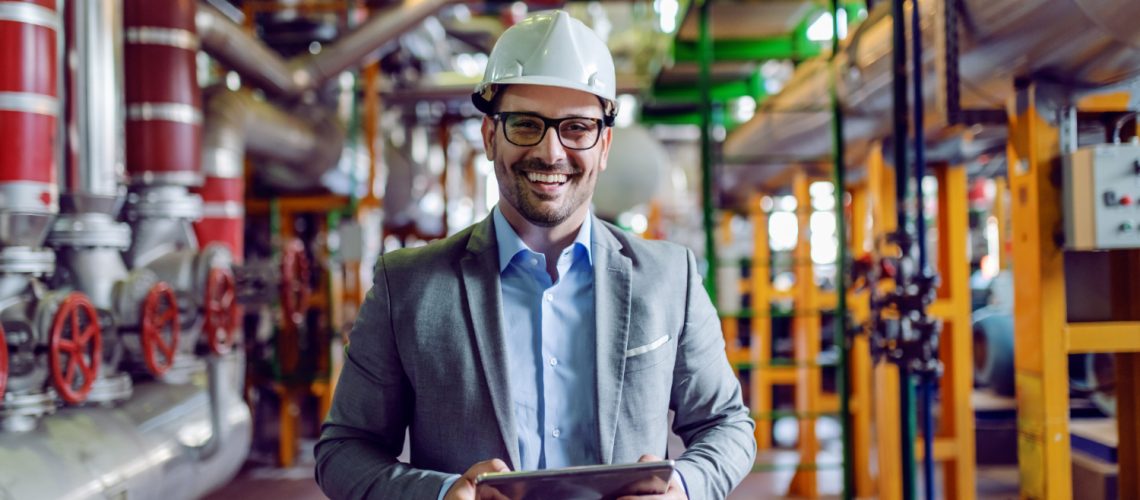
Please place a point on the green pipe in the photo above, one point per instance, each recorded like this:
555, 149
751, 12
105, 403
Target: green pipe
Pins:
763, 49
706, 149
840, 334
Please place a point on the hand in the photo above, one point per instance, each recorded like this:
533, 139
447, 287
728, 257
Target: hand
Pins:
464, 487
675, 491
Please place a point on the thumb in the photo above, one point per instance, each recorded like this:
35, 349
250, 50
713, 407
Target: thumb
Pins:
649, 458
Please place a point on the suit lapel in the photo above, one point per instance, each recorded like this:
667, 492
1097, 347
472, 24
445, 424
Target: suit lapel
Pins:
480, 269
612, 290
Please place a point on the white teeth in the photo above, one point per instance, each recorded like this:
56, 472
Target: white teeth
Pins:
547, 178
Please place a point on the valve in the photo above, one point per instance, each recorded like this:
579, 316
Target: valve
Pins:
159, 328
294, 282
75, 348
221, 311
3, 362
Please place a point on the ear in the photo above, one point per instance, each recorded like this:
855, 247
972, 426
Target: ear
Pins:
488, 130
604, 144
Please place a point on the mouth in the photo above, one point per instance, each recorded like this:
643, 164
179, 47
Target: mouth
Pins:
547, 179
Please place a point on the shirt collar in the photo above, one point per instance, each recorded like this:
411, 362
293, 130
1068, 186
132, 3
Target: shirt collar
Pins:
510, 244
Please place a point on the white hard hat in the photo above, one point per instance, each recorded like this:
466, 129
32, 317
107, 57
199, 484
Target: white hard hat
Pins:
550, 48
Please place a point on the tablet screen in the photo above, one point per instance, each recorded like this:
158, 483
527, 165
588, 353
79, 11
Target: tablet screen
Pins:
591, 482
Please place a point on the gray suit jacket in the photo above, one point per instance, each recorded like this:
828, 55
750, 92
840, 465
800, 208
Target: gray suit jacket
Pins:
427, 354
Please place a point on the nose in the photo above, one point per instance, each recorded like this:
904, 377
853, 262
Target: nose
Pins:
550, 150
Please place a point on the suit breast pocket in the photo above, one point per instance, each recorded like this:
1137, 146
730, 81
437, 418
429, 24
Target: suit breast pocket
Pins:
650, 354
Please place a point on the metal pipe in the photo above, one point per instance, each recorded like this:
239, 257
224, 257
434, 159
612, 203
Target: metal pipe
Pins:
257, 64
265, 69
705, 45
350, 50
899, 122
840, 335
29, 108
151, 446
907, 433
1080, 41
93, 81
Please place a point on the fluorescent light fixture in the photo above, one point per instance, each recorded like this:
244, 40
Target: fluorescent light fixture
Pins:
820, 30
667, 12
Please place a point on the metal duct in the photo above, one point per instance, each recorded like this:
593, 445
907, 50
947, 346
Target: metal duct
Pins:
169, 441
257, 64
29, 107
93, 79
1082, 42
300, 150
265, 69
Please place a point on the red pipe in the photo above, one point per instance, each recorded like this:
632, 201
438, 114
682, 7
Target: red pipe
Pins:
164, 108
29, 105
223, 213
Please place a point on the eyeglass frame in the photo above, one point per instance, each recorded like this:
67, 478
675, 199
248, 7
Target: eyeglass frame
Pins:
547, 124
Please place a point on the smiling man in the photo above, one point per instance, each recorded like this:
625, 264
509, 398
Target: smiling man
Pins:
541, 337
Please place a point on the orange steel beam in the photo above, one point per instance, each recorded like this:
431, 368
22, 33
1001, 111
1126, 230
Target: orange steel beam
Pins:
806, 342
761, 343
956, 346
860, 370
1040, 359
881, 185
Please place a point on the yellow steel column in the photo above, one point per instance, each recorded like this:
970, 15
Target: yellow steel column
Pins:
761, 342
956, 343
1000, 213
729, 323
1039, 303
860, 356
806, 339
881, 182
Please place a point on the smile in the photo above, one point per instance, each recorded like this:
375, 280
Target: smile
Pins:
547, 178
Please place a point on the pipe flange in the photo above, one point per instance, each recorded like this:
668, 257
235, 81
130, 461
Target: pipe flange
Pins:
111, 389
27, 260
19, 412
90, 230
165, 202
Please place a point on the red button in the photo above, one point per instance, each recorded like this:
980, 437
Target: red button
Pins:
1125, 200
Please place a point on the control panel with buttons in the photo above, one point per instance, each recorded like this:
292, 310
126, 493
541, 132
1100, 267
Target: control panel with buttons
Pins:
1102, 197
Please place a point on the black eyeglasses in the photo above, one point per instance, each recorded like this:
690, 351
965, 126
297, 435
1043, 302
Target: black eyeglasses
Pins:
528, 129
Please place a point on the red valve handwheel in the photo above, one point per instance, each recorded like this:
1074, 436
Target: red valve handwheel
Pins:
3, 362
221, 310
294, 282
159, 316
75, 347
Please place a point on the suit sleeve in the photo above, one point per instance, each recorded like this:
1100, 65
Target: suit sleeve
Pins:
371, 409
710, 417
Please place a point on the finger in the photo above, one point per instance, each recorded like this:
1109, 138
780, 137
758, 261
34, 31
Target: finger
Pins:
649, 458
499, 465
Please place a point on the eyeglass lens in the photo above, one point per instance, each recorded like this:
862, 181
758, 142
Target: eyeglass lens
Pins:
528, 130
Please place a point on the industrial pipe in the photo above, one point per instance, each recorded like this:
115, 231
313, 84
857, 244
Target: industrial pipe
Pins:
164, 110
159, 444
29, 108
265, 69
1083, 42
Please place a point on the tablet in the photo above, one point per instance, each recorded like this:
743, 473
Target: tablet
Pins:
589, 482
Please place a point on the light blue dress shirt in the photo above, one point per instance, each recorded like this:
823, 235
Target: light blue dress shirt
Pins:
550, 335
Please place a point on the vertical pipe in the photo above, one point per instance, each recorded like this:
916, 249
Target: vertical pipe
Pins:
840, 333
706, 55
902, 178
906, 410
29, 108
899, 115
926, 382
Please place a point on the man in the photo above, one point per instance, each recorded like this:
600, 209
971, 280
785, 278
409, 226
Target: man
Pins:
540, 337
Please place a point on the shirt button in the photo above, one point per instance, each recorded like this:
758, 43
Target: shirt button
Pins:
534, 262
553, 361
549, 297
556, 433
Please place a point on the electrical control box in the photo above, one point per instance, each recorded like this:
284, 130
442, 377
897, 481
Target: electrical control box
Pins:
1102, 197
